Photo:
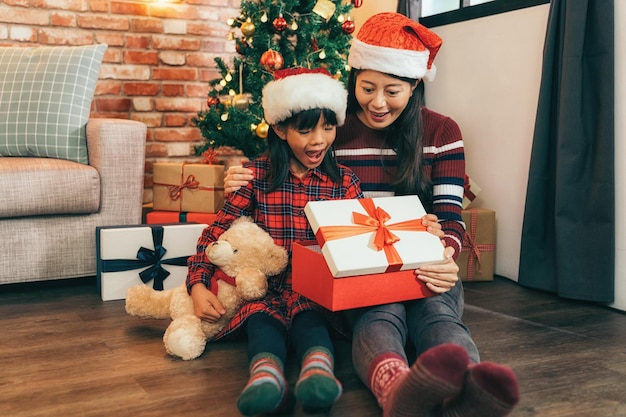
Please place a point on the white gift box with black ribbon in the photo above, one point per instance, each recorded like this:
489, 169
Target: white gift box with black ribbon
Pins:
153, 254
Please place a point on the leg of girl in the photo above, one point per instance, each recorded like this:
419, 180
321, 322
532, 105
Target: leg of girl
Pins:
266, 390
317, 388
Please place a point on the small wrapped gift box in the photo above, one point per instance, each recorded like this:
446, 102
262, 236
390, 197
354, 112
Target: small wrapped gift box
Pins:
155, 255
375, 242
188, 187
477, 258
159, 217
470, 192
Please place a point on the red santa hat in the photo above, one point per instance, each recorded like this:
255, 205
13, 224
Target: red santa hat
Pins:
297, 89
394, 44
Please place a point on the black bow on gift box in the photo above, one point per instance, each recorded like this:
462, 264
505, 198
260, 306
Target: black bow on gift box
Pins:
152, 259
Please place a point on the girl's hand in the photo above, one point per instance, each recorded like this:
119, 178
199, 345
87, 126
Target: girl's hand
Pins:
206, 306
440, 277
236, 177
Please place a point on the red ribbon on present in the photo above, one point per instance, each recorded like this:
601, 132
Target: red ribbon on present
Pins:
467, 191
375, 221
474, 249
176, 191
209, 157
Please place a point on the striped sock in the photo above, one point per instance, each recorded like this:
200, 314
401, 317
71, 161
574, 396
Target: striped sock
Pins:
490, 390
266, 388
436, 375
317, 388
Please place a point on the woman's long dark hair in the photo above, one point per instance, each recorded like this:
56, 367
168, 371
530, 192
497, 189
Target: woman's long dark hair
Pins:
406, 137
280, 153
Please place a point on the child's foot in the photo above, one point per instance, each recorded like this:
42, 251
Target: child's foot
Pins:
436, 375
317, 388
266, 390
490, 390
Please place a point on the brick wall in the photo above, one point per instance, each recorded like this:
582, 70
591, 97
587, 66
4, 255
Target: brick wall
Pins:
156, 68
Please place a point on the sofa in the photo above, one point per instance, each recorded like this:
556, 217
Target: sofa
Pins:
62, 172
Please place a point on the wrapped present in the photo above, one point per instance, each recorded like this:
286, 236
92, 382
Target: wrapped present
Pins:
188, 187
158, 217
365, 252
477, 258
155, 255
373, 235
470, 192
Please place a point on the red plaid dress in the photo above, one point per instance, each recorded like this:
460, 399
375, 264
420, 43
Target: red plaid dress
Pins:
281, 214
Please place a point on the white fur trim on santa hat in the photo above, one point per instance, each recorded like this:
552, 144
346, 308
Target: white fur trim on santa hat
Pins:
398, 62
287, 96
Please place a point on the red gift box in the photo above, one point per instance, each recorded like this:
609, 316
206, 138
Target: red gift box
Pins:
158, 217
312, 277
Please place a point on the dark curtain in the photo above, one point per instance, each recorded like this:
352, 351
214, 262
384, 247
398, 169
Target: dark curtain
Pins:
568, 234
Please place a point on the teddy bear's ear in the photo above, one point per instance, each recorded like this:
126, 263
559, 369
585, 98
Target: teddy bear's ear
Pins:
275, 261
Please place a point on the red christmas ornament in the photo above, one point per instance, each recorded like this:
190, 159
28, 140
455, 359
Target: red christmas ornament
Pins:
212, 101
241, 46
271, 60
357, 3
280, 23
347, 27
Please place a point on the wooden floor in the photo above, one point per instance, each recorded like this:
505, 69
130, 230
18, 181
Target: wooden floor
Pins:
63, 352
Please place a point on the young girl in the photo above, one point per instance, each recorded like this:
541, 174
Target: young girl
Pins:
303, 108
397, 146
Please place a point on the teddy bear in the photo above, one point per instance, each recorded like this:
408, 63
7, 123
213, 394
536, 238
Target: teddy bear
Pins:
245, 255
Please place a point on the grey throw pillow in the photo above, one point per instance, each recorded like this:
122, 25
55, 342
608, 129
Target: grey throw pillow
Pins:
45, 99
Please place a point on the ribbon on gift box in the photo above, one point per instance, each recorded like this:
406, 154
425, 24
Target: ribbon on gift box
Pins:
474, 249
375, 221
467, 189
152, 259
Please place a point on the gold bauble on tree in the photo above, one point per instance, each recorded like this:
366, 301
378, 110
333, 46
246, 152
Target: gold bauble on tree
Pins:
262, 129
248, 28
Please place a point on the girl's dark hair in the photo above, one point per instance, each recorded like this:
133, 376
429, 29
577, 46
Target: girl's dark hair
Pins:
280, 153
406, 137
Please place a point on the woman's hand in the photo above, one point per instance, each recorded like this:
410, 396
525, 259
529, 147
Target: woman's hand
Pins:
432, 225
236, 177
206, 306
440, 277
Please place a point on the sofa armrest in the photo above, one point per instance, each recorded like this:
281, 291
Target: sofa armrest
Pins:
117, 150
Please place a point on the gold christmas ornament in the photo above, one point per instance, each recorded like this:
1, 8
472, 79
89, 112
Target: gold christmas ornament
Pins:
248, 28
241, 101
262, 129
324, 8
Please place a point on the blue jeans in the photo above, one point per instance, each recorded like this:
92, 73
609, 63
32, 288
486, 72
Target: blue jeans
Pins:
423, 323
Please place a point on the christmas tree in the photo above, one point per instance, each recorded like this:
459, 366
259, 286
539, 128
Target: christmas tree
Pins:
270, 35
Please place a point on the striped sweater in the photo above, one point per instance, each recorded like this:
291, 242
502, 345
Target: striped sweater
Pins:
364, 151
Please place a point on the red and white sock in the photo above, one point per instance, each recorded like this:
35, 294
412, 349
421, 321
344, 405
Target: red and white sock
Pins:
436, 376
490, 390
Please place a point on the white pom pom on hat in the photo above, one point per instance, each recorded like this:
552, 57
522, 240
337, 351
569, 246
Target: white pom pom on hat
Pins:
394, 44
294, 90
